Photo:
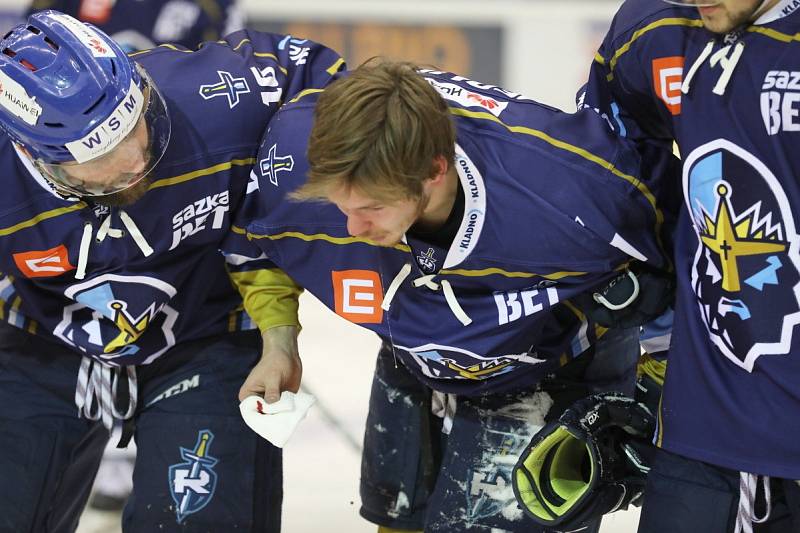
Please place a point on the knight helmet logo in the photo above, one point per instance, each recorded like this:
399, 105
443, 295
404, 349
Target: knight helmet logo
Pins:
193, 482
746, 272
116, 317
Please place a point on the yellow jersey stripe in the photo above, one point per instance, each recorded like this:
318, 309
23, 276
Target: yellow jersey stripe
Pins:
569, 148
304, 93
642, 188
333, 69
696, 23
323, 237
508, 274
160, 183
405, 248
234, 48
40, 217
772, 34
167, 182
168, 46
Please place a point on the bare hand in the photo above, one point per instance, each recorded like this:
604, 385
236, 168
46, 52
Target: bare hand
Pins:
278, 370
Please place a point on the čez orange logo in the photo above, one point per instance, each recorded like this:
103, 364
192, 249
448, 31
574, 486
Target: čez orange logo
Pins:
358, 295
667, 81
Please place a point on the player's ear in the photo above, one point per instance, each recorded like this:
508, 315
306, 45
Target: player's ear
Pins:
439, 170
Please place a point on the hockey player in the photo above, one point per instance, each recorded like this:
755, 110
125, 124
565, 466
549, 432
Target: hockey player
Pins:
120, 175
456, 219
143, 24
720, 77
138, 25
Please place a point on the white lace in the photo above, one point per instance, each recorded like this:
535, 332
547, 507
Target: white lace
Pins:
687, 80
721, 57
96, 391
105, 230
428, 282
748, 486
728, 64
444, 405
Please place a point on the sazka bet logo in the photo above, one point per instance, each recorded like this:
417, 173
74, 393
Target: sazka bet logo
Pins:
746, 273
228, 86
193, 482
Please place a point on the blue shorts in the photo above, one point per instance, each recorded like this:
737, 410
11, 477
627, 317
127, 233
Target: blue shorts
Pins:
198, 466
686, 496
415, 477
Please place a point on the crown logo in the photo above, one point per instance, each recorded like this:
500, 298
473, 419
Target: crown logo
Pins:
731, 239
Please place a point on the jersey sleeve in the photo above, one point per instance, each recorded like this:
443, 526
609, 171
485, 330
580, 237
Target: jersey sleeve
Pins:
620, 82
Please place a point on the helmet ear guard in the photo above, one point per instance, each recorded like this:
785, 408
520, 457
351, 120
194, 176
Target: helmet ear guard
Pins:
589, 462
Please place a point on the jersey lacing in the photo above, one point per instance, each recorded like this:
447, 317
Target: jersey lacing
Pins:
745, 517
428, 282
96, 390
104, 231
728, 63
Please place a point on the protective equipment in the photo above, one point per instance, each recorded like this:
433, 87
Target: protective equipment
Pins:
589, 462
633, 298
70, 96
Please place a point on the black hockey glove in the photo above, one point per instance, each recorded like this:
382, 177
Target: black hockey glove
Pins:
636, 296
593, 460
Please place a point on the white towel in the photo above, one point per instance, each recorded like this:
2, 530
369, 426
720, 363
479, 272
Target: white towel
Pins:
277, 421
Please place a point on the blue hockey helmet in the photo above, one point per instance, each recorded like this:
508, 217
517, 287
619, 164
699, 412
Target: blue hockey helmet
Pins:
74, 101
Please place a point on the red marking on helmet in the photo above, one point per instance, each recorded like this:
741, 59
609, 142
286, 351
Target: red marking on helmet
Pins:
28, 65
98, 45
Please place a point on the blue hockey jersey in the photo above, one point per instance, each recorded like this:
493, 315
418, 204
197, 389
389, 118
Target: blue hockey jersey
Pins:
732, 103
141, 24
553, 204
154, 275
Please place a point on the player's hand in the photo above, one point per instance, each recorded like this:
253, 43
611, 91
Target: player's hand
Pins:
278, 370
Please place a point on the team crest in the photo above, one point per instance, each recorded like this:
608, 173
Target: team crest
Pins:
111, 314
228, 87
449, 362
427, 261
746, 272
193, 482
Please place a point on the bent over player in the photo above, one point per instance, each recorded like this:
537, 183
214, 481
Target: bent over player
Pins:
456, 220
120, 176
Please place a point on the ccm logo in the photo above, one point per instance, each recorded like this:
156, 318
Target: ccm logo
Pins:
667, 79
44, 263
358, 295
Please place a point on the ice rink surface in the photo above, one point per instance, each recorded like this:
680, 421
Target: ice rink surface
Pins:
322, 459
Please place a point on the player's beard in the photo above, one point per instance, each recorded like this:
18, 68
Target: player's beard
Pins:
724, 19
390, 238
124, 197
